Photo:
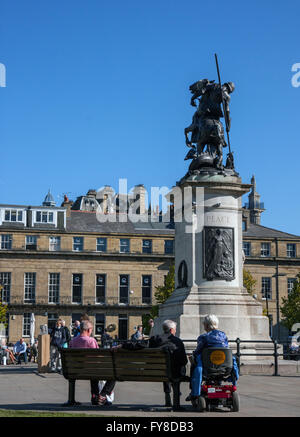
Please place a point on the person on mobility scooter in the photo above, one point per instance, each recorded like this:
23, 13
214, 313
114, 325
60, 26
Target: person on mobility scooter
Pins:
213, 360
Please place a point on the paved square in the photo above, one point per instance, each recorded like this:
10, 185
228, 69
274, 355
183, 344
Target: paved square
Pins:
22, 388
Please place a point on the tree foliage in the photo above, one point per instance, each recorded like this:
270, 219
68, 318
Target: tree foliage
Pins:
290, 309
3, 308
161, 294
248, 281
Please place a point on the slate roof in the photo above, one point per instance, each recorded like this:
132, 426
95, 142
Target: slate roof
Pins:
259, 231
80, 221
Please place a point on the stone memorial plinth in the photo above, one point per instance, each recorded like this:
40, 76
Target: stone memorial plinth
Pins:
209, 263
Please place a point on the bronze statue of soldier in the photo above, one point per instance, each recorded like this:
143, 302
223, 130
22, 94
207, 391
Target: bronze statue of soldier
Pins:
206, 128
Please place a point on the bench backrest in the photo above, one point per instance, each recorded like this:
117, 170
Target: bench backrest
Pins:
117, 364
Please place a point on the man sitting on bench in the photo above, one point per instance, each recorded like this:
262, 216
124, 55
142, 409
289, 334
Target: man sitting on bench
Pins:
176, 348
84, 340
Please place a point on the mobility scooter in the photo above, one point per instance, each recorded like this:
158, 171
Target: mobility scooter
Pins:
217, 388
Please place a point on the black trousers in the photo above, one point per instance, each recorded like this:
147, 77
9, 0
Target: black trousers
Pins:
107, 389
167, 387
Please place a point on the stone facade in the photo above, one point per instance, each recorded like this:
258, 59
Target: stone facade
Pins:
74, 222
273, 259
17, 260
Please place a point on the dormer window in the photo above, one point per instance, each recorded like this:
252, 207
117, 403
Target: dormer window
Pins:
44, 217
12, 215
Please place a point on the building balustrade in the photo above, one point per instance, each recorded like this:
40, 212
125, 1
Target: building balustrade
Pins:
85, 301
111, 252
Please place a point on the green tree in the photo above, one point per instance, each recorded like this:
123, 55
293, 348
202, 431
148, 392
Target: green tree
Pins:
248, 281
3, 308
290, 309
161, 294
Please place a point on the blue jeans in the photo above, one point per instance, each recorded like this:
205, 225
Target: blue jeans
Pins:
196, 379
24, 355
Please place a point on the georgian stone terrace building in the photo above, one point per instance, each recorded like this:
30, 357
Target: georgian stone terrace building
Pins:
62, 262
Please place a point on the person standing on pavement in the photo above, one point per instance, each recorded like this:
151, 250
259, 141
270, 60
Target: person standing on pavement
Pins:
151, 325
57, 340
84, 340
67, 334
106, 339
76, 329
34, 349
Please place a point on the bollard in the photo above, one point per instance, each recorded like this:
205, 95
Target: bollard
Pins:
238, 352
275, 359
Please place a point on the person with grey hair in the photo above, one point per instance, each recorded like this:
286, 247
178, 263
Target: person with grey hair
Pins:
176, 348
151, 326
85, 340
169, 325
67, 334
138, 335
57, 340
76, 329
213, 338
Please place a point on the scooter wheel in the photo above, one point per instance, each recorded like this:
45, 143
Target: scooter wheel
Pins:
235, 402
201, 404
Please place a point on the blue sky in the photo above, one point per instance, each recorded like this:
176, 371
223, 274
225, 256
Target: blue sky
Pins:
97, 91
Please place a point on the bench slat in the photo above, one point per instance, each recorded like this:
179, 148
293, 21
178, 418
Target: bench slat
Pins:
140, 372
143, 378
75, 376
90, 375
141, 352
90, 366
136, 360
70, 353
130, 366
85, 361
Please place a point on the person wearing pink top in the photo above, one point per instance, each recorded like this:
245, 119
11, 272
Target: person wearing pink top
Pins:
84, 340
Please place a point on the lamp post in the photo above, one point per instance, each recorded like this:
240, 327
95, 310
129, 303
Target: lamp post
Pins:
277, 274
270, 318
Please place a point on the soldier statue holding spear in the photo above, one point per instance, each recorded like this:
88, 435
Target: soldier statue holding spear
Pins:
207, 132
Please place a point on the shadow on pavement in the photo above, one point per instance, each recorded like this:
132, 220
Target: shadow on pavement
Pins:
17, 369
88, 408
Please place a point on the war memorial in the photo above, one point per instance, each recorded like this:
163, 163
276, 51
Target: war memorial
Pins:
208, 228
208, 273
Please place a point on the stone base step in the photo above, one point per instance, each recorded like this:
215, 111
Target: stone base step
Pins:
266, 367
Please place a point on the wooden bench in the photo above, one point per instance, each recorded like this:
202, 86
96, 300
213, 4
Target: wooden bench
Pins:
146, 365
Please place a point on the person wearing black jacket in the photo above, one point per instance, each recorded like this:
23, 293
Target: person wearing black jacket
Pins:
57, 340
177, 350
106, 339
67, 333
